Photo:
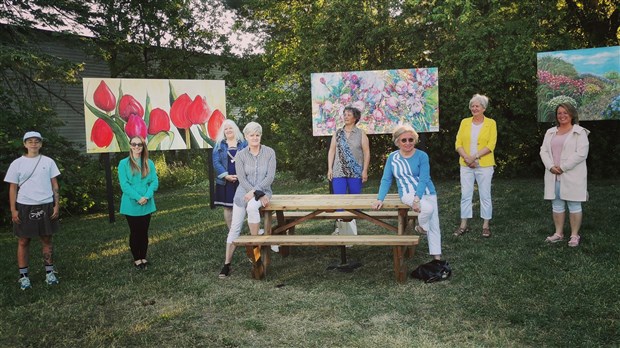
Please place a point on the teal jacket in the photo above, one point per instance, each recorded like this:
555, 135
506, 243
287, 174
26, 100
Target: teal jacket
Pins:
134, 187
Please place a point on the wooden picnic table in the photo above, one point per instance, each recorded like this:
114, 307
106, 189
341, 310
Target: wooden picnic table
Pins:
316, 205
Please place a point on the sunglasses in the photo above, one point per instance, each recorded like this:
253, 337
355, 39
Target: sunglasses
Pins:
407, 140
137, 144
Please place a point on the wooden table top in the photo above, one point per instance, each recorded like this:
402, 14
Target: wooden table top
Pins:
331, 202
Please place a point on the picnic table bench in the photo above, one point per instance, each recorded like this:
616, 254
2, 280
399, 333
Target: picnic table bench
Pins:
291, 210
258, 248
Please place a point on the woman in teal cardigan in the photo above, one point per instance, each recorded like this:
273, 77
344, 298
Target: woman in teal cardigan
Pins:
138, 180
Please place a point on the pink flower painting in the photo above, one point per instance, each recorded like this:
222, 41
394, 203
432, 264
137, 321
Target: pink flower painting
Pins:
386, 99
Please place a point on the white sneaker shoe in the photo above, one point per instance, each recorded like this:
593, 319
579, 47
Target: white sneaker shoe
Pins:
275, 248
261, 232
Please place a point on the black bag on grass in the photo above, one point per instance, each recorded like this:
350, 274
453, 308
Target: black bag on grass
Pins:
434, 271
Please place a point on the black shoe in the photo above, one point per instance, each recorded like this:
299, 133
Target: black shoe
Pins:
225, 272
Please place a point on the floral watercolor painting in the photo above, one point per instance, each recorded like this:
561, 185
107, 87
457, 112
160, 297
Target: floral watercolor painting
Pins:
169, 114
386, 99
587, 78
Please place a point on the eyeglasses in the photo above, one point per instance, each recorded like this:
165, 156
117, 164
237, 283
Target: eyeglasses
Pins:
137, 144
407, 140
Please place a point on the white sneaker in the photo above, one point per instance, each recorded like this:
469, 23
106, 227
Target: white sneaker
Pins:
24, 283
51, 279
336, 232
261, 232
275, 248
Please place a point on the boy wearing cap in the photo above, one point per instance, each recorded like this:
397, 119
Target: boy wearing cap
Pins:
33, 199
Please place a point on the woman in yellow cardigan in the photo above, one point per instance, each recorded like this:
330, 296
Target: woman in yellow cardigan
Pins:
475, 143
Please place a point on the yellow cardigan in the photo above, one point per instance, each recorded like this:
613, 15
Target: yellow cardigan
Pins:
487, 138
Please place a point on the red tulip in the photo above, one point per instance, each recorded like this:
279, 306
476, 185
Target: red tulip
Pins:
128, 106
158, 121
215, 122
198, 111
178, 111
135, 127
101, 134
104, 98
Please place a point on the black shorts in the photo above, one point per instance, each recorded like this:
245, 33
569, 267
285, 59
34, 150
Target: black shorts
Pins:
35, 221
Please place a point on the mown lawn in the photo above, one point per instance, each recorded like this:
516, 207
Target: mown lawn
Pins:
511, 290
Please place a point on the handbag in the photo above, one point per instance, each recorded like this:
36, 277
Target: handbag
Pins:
258, 194
347, 227
434, 271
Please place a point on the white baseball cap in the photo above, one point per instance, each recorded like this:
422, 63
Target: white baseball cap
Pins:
32, 134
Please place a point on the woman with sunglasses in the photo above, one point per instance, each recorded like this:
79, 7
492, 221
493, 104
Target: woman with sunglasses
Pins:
138, 180
411, 169
475, 143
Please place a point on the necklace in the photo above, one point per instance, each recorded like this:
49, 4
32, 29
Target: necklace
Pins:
232, 158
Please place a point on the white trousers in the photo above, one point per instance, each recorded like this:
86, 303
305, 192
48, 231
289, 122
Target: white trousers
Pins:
428, 220
238, 215
483, 176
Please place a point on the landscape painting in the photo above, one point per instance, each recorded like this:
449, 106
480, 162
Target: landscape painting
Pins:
587, 78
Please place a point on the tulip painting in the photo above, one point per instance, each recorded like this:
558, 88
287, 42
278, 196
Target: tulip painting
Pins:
169, 114
386, 99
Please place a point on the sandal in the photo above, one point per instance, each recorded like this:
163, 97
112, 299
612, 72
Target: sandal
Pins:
554, 238
574, 241
420, 230
486, 232
461, 231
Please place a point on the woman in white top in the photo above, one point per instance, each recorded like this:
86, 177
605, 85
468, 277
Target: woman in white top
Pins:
34, 203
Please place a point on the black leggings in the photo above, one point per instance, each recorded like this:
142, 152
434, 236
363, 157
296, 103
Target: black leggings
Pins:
139, 235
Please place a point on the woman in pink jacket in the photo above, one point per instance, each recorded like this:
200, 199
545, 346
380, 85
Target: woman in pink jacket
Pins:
564, 152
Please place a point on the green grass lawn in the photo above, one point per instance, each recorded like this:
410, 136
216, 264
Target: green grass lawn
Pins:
511, 290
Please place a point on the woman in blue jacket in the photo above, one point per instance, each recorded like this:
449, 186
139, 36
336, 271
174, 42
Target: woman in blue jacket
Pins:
138, 180
228, 142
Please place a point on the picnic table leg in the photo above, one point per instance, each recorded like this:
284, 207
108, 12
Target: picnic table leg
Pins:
400, 267
258, 263
403, 220
284, 250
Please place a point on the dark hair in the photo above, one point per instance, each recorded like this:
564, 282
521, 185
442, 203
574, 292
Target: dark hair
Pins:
572, 112
355, 111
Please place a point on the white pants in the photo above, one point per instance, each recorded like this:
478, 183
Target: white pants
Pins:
483, 176
238, 215
428, 220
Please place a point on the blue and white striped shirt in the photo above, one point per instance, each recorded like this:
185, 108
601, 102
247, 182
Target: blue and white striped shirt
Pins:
413, 175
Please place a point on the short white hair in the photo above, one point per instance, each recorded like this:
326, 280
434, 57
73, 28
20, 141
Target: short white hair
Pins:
482, 99
252, 128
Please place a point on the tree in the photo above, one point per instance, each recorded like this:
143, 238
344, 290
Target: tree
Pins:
479, 46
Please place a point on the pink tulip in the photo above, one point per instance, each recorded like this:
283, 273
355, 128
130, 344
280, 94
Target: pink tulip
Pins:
135, 127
